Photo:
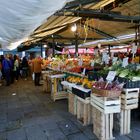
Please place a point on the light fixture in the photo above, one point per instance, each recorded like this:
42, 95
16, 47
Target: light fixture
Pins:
74, 28
45, 46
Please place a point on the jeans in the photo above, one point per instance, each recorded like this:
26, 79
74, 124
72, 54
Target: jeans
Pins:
24, 72
7, 76
37, 78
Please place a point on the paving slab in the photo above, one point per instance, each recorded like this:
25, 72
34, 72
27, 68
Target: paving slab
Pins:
67, 127
77, 136
18, 134
35, 133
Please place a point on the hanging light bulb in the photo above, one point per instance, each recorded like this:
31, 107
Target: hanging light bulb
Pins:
45, 46
74, 28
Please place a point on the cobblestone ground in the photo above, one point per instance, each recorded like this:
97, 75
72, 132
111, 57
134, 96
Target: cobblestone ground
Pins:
26, 113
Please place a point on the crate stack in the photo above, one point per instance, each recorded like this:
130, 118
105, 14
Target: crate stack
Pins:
72, 103
84, 110
46, 82
129, 101
103, 109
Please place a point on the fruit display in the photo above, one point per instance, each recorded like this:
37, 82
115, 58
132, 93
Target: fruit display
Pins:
84, 82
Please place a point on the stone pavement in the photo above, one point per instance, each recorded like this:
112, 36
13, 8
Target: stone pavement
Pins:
26, 113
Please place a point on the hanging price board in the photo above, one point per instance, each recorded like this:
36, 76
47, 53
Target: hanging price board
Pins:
111, 76
125, 62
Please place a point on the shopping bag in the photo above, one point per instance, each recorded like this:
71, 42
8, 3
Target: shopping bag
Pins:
33, 76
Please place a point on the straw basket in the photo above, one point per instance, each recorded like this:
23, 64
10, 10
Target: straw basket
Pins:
106, 93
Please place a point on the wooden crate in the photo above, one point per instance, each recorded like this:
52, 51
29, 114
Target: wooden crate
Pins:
102, 124
72, 103
55, 94
47, 85
84, 110
129, 101
106, 104
129, 98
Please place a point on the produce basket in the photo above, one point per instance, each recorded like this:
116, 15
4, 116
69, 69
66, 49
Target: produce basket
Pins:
106, 93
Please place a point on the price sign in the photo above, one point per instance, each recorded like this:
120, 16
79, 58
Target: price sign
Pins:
115, 59
134, 48
92, 64
105, 58
80, 63
125, 62
84, 71
111, 75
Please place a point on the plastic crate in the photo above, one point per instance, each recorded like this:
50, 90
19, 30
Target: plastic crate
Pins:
129, 83
80, 93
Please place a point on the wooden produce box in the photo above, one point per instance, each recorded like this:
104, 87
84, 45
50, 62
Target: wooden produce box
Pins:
129, 101
103, 109
84, 111
102, 124
106, 104
130, 98
72, 103
56, 93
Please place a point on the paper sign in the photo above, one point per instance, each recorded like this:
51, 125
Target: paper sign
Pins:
114, 59
92, 64
80, 63
84, 71
105, 58
125, 62
134, 48
111, 75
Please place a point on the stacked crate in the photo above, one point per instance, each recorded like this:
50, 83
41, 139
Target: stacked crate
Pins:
103, 109
84, 110
129, 101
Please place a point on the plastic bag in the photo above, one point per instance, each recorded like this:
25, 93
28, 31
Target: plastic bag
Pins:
33, 76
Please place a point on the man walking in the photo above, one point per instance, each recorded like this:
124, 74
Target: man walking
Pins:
36, 64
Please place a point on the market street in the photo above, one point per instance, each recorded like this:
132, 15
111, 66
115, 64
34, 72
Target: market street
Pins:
26, 113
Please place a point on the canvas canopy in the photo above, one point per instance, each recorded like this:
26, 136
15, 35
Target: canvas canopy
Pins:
19, 18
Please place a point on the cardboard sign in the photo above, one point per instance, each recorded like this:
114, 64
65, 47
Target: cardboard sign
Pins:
111, 75
125, 62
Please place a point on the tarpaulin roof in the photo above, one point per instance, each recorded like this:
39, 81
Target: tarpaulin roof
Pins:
19, 18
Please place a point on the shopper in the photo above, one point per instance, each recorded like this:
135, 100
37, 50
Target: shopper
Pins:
6, 66
24, 66
36, 64
12, 67
16, 68
0, 72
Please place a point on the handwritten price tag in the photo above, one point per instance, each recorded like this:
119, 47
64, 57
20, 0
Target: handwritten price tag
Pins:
125, 62
111, 75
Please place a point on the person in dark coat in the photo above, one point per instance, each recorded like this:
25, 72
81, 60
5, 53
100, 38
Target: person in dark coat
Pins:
6, 66
24, 65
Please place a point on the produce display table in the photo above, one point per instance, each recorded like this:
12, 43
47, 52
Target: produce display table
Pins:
103, 109
129, 101
57, 91
76, 105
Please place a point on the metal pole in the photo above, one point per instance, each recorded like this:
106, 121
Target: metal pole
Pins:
53, 48
41, 47
76, 43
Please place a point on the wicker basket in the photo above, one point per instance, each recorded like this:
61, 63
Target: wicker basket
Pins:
106, 93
